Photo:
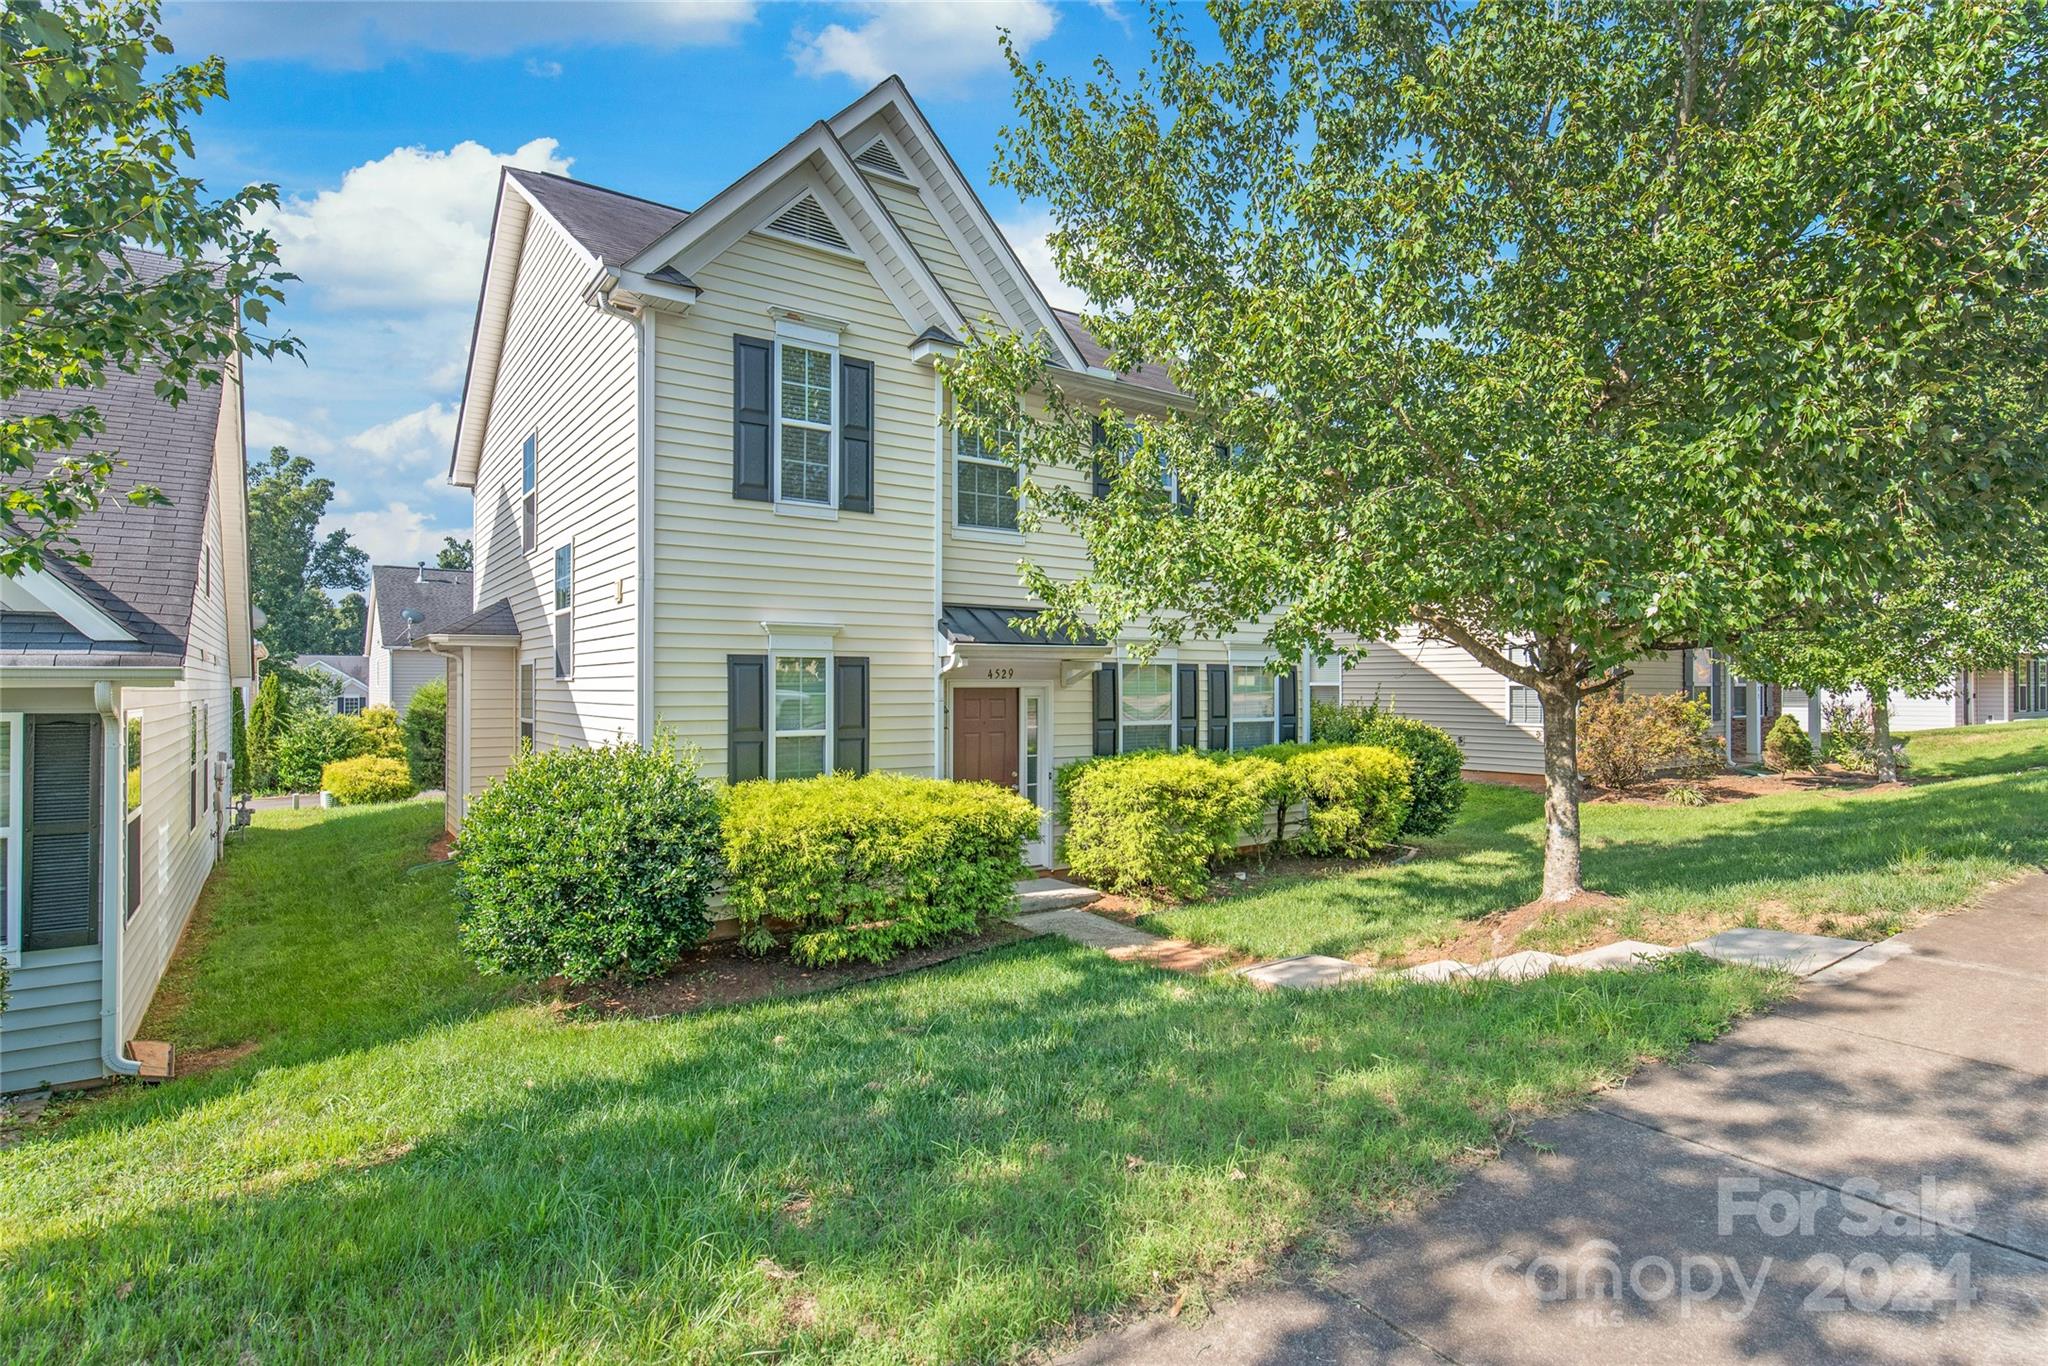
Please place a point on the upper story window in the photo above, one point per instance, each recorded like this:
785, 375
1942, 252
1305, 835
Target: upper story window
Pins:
806, 409
529, 494
985, 479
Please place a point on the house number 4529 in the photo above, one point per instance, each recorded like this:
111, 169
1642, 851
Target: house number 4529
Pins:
1002, 673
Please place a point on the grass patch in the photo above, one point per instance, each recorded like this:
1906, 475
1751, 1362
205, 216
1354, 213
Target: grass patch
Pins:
947, 1165
1857, 864
1972, 751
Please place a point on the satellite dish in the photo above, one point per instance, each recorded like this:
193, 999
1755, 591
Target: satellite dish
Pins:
413, 615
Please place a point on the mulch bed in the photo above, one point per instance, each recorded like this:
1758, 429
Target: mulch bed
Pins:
723, 974
1735, 787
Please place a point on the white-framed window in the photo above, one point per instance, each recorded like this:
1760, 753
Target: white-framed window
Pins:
529, 494
1034, 761
806, 419
526, 673
12, 775
131, 830
1254, 706
348, 706
800, 721
1326, 680
1145, 708
192, 765
1525, 707
565, 610
205, 758
985, 480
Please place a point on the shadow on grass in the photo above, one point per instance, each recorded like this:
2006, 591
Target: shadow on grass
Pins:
936, 1167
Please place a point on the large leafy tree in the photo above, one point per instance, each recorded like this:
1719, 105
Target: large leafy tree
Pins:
454, 554
291, 565
1570, 331
92, 150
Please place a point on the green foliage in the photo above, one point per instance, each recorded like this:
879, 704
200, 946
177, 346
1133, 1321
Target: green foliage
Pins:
311, 739
1787, 749
95, 131
376, 732
291, 564
870, 867
266, 724
453, 554
1357, 796
366, 779
1342, 723
238, 744
1155, 822
426, 732
1849, 737
1627, 740
1438, 779
581, 863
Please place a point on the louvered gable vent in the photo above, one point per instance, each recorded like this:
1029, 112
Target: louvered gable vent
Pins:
807, 222
878, 157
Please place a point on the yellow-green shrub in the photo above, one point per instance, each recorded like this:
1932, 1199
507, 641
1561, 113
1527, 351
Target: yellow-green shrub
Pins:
376, 732
365, 779
1155, 822
1357, 795
874, 866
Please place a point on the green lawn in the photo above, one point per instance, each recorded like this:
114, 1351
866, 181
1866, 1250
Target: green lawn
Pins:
952, 1164
1858, 864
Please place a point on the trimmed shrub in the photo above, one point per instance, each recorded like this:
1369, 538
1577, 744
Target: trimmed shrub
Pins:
1155, 822
1851, 736
581, 863
870, 867
266, 724
376, 732
308, 742
1343, 724
1787, 748
366, 779
1357, 795
1437, 783
1624, 741
426, 733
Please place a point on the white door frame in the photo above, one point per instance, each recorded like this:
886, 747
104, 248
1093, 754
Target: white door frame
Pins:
1038, 851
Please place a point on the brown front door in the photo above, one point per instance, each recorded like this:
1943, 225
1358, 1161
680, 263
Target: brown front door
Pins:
985, 736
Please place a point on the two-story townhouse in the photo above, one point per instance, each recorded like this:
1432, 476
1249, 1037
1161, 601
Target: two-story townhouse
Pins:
718, 491
406, 603
117, 686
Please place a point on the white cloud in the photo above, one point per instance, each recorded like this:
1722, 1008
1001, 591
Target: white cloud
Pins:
933, 47
267, 429
1027, 237
420, 439
405, 231
396, 533
546, 70
359, 34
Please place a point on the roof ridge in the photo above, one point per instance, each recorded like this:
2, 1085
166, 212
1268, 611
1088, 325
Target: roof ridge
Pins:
601, 189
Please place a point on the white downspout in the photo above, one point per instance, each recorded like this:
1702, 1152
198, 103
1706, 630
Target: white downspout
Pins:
113, 801
643, 551
938, 572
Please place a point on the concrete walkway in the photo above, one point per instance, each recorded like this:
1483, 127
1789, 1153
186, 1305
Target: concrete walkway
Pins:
1862, 1175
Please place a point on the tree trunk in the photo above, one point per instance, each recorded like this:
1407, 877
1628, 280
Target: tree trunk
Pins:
1561, 876
1881, 733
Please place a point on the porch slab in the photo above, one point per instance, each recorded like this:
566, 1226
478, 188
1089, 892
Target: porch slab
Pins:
1305, 970
1083, 928
1804, 954
1623, 953
1053, 894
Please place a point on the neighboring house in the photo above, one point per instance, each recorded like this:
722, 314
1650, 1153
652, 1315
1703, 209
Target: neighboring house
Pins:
406, 602
348, 673
717, 489
115, 689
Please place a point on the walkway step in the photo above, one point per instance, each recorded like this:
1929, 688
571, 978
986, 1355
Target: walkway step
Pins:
1518, 967
1442, 970
1804, 954
1624, 953
1053, 894
1083, 928
1306, 970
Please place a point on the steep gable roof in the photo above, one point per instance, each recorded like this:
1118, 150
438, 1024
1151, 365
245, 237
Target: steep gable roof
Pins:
438, 595
612, 226
1149, 375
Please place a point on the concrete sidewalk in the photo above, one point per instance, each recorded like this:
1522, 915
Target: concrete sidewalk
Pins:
1862, 1175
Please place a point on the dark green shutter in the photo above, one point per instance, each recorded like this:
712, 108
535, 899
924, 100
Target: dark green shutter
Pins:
1187, 705
857, 435
753, 419
746, 717
1290, 706
850, 715
62, 800
1100, 436
1219, 706
1105, 709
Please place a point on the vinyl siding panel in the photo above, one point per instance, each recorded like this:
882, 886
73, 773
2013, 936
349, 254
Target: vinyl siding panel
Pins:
907, 206
569, 375
50, 1031
409, 669
924, 164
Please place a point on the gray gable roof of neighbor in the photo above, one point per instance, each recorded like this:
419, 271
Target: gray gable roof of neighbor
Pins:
445, 595
611, 226
496, 620
354, 666
145, 560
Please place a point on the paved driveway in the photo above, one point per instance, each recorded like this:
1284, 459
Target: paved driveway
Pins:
1862, 1175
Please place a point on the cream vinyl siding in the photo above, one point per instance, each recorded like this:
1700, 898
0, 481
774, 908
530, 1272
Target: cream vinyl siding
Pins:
409, 669
907, 206
568, 373
380, 663
723, 566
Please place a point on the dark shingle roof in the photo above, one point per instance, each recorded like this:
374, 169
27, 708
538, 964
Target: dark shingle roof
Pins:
966, 624
611, 226
145, 561
43, 640
355, 666
496, 620
444, 596
1146, 376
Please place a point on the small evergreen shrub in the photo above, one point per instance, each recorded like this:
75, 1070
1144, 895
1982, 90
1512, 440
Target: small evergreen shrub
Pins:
308, 742
1358, 797
365, 779
375, 731
426, 733
581, 863
1787, 748
239, 771
1343, 724
1155, 822
267, 717
1438, 779
1851, 736
870, 867
1626, 741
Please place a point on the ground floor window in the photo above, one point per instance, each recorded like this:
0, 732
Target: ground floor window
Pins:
1326, 680
802, 715
1254, 706
11, 769
526, 672
1525, 707
132, 752
348, 706
1147, 711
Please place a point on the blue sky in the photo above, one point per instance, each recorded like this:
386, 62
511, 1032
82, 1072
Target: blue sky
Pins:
383, 125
